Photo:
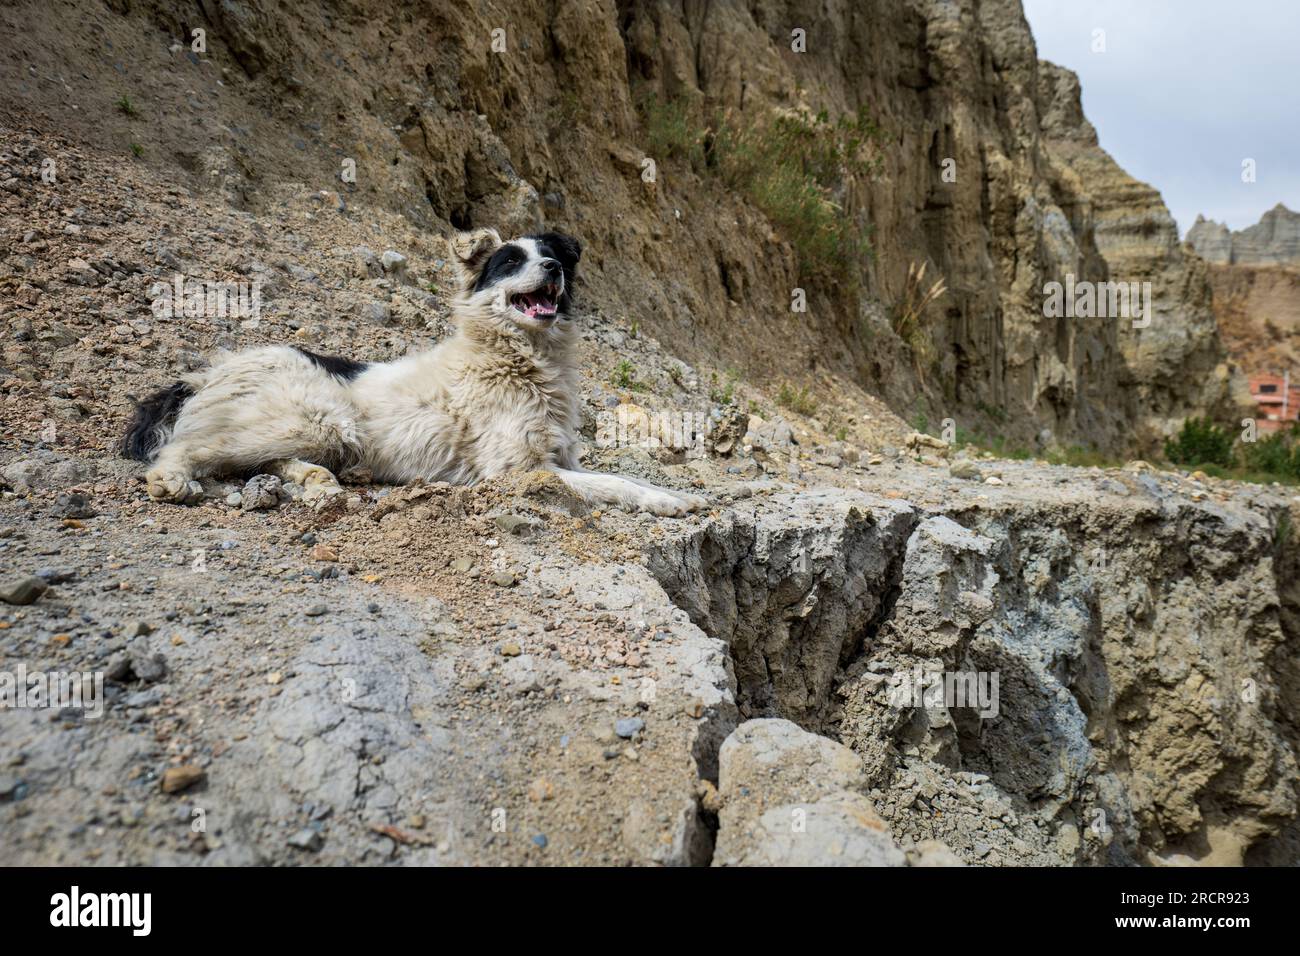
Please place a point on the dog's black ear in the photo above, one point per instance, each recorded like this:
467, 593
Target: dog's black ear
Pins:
564, 248
567, 251
470, 251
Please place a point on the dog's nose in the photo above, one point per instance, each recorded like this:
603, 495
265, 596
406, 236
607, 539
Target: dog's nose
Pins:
551, 267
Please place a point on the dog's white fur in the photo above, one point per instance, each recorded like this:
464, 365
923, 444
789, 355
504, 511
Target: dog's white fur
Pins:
500, 395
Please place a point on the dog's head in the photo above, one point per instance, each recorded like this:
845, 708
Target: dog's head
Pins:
526, 281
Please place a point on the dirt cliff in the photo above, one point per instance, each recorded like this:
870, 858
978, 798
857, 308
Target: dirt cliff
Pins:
456, 115
1255, 278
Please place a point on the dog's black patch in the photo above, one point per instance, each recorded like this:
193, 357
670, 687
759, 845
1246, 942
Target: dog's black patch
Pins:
506, 261
344, 368
557, 245
152, 417
567, 251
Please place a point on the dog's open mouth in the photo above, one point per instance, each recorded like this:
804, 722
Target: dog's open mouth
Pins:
538, 304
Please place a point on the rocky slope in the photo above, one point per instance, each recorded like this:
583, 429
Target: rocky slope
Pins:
985, 168
1258, 311
499, 675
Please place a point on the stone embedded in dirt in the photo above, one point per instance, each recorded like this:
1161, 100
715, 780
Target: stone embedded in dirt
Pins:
517, 525
9, 786
366, 264
504, 579
356, 475
308, 838
56, 575
965, 468
932, 853
261, 493
727, 430
138, 663
792, 798
376, 312
394, 263
23, 590
323, 552
629, 727
143, 698
46, 470
74, 505
520, 674
176, 779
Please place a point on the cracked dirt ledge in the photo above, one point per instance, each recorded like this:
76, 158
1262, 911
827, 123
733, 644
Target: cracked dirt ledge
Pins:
421, 714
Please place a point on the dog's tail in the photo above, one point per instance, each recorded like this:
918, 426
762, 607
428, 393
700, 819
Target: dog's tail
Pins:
152, 423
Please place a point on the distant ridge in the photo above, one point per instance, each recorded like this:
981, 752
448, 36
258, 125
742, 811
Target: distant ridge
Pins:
1274, 240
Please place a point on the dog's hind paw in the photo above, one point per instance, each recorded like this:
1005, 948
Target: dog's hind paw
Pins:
320, 486
174, 486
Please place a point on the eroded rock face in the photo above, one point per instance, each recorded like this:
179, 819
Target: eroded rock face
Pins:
1066, 681
1172, 362
790, 587
791, 798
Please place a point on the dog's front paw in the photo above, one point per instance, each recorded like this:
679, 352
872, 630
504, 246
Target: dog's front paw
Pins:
693, 502
174, 486
666, 504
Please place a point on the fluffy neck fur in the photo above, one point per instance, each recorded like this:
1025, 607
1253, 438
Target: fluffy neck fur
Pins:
538, 354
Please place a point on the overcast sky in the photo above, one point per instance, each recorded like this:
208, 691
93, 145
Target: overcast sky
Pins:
1185, 90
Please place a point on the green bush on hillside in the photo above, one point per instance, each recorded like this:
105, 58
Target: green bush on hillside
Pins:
798, 168
1276, 454
1200, 442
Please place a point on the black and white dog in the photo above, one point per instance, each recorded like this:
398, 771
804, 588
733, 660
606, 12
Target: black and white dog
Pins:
500, 395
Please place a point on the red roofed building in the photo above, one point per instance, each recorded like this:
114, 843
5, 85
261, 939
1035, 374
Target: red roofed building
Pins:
1277, 400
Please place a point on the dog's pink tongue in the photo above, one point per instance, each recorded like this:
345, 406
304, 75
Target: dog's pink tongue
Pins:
537, 306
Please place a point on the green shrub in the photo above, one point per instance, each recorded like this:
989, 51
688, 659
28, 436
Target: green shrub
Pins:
1200, 442
1276, 454
798, 168
624, 376
724, 393
798, 400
